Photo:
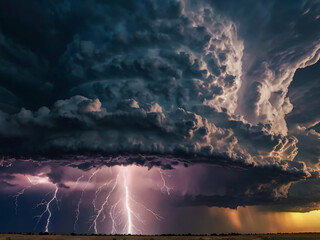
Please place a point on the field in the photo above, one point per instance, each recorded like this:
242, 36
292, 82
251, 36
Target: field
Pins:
240, 237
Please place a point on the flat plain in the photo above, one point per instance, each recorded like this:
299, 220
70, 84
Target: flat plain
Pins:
229, 237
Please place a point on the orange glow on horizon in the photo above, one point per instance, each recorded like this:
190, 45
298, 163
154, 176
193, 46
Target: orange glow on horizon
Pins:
309, 221
253, 220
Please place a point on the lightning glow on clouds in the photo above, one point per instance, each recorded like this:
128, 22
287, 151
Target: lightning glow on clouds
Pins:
114, 199
119, 199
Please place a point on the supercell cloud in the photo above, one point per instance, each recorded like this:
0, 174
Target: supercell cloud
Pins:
180, 81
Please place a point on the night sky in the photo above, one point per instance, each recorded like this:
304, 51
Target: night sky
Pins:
159, 116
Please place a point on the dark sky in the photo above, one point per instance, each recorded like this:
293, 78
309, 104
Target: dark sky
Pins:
222, 96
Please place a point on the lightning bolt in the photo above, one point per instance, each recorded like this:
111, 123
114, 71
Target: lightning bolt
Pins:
103, 206
114, 217
164, 187
128, 208
156, 215
124, 211
47, 209
78, 179
21, 192
131, 214
117, 202
97, 194
80, 199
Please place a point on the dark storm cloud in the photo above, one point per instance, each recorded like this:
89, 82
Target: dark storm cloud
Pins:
187, 78
139, 76
269, 185
81, 125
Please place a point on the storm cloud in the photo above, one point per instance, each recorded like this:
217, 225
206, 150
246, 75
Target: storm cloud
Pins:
199, 81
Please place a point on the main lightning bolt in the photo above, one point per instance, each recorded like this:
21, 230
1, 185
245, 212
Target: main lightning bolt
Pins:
128, 208
47, 209
81, 196
122, 212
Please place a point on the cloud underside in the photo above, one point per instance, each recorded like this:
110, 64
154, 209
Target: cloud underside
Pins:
194, 80
221, 184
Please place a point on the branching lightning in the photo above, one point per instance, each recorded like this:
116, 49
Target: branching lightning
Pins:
97, 194
81, 196
16, 196
164, 187
124, 211
78, 179
21, 192
47, 209
33, 182
114, 216
156, 215
103, 206
118, 204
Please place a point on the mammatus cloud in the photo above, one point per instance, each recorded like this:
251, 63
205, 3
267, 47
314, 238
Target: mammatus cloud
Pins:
178, 78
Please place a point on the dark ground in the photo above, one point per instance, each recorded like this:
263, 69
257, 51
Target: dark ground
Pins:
297, 236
